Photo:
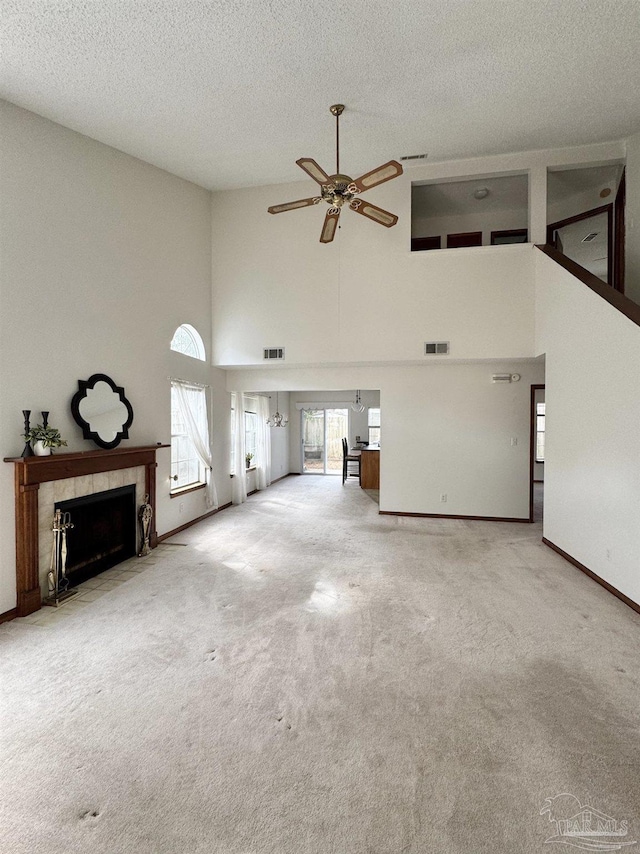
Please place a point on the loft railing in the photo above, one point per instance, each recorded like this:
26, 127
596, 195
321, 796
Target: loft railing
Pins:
628, 307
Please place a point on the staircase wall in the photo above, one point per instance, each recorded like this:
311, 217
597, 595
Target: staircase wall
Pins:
592, 469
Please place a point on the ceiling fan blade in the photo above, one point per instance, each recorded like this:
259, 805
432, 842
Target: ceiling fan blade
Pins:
374, 212
291, 206
378, 176
313, 170
329, 226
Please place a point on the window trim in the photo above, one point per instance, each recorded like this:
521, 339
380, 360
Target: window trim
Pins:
183, 490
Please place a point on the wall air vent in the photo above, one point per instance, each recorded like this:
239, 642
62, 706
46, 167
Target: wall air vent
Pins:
274, 352
501, 378
436, 348
591, 236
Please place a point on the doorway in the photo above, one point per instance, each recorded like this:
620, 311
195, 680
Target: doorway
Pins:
322, 431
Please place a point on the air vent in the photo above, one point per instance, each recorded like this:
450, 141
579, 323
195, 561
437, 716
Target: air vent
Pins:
501, 378
414, 157
591, 236
436, 348
274, 352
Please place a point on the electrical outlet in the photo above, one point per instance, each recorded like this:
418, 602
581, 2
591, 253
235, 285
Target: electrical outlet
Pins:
181, 507
443, 498
514, 441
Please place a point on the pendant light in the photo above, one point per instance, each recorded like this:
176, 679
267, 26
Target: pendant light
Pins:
277, 420
357, 406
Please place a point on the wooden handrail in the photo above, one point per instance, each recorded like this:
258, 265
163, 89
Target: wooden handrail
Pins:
628, 307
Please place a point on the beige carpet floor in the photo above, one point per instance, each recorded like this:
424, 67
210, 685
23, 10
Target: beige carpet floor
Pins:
304, 676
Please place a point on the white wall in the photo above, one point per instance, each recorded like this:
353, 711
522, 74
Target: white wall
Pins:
366, 297
592, 469
103, 256
445, 428
280, 437
632, 221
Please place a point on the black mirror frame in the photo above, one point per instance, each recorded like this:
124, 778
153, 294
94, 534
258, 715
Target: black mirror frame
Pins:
87, 432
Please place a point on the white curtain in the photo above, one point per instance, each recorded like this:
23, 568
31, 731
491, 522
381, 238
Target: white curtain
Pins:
239, 479
263, 445
192, 403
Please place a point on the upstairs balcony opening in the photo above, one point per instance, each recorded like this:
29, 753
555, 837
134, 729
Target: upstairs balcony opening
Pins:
491, 211
585, 218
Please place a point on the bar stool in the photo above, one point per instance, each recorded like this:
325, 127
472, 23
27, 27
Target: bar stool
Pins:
349, 459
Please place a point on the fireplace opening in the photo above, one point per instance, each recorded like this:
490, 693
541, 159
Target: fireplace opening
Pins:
103, 532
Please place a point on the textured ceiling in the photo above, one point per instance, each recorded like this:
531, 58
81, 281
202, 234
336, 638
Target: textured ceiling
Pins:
229, 93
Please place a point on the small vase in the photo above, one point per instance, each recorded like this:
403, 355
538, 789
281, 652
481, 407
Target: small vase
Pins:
40, 450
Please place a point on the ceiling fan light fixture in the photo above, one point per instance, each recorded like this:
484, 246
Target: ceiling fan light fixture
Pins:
339, 190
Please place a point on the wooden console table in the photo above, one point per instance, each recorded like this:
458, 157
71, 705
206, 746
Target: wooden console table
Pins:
30, 472
370, 467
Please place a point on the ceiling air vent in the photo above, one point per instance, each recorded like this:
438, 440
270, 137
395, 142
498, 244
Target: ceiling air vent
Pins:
436, 348
274, 352
591, 236
414, 157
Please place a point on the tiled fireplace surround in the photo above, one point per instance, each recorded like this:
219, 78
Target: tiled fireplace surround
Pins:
42, 481
77, 487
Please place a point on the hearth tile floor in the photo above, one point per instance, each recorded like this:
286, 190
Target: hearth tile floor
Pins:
90, 591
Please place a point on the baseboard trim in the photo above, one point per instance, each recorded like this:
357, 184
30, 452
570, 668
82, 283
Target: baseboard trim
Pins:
282, 477
634, 605
454, 516
9, 615
192, 522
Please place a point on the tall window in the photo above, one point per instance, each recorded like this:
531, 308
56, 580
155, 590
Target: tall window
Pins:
250, 429
186, 468
251, 433
187, 340
374, 425
540, 431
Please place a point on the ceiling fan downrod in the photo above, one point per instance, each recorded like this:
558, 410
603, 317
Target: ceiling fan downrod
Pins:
337, 110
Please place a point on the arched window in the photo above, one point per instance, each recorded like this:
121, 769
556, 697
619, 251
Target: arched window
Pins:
187, 340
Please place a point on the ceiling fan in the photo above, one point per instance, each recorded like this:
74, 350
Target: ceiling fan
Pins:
339, 190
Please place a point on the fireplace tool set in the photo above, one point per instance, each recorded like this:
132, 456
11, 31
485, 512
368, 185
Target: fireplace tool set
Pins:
59, 590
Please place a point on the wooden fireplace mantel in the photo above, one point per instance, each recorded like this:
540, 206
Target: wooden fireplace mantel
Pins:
30, 472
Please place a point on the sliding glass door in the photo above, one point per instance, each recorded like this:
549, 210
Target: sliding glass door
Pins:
322, 431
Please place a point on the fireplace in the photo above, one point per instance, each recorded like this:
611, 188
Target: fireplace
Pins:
103, 533
44, 482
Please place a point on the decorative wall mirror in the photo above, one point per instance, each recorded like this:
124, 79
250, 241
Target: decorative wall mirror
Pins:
101, 409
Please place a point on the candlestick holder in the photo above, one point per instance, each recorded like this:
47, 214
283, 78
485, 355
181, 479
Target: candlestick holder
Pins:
27, 450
